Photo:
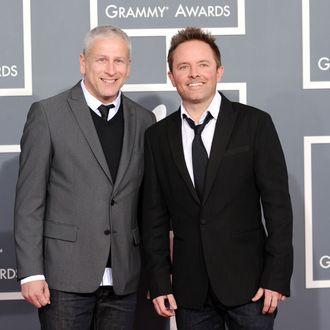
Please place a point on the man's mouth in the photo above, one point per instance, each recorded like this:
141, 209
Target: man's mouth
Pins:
195, 84
108, 81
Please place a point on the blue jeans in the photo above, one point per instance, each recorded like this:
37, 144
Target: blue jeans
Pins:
100, 310
215, 315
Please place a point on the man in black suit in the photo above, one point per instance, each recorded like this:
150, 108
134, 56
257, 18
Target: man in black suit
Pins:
209, 167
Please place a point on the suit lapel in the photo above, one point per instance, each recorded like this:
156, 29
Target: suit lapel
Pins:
82, 114
128, 140
222, 133
175, 141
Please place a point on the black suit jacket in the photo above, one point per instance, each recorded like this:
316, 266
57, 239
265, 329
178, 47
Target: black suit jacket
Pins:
220, 240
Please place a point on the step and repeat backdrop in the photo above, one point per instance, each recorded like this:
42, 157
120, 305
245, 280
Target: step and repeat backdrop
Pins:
276, 56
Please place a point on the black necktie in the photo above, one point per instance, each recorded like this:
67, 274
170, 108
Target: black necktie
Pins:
104, 110
199, 154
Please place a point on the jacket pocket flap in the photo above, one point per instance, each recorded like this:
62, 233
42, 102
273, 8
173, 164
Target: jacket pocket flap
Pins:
61, 231
136, 236
237, 150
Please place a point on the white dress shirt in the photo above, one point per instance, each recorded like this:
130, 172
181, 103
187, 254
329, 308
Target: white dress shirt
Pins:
188, 133
94, 103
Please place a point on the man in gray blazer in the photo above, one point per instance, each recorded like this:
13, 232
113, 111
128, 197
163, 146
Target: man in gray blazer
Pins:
76, 211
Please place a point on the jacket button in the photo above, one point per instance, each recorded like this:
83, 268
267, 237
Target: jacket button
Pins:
203, 222
107, 232
112, 202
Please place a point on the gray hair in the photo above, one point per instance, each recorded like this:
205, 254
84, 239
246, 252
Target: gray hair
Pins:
106, 32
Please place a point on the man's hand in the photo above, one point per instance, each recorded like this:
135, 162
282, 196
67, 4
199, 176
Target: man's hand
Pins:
36, 293
271, 299
165, 305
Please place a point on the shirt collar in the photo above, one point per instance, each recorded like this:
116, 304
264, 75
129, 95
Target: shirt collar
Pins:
213, 108
94, 103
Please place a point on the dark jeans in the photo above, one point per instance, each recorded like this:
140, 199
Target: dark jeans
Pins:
215, 315
100, 310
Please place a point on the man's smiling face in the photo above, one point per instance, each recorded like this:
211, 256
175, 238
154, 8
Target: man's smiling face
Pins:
105, 67
195, 73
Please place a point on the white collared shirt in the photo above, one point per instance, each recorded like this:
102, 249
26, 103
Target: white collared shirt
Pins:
94, 103
188, 133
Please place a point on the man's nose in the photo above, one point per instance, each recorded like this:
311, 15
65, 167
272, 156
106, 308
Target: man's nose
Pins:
110, 68
194, 72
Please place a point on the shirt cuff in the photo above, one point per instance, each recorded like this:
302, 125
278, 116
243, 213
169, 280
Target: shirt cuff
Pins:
32, 278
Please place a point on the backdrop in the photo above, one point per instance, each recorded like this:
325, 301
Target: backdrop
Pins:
276, 56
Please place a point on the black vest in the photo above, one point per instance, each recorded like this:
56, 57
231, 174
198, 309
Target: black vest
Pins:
111, 135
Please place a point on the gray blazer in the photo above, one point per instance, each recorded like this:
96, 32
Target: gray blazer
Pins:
68, 211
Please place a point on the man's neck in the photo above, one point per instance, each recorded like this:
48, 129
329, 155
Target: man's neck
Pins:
196, 111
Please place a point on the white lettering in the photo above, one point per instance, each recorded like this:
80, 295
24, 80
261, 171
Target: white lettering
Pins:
192, 11
141, 12
14, 72
152, 12
325, 262
121, 11
227, 11
113, 11
130, 12
211, 10
180, 11
7, 274
324, 63
8, 71
162, 10
202, 11
110, 11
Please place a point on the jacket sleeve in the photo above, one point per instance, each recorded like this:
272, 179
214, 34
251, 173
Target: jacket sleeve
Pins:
272, 182
155, 228
31, 192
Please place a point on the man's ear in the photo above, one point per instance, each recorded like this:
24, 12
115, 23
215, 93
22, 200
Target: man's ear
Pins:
170, 75
82, 64
220, 72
